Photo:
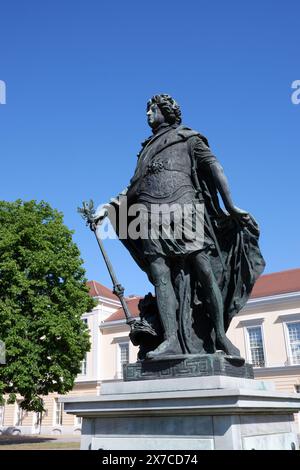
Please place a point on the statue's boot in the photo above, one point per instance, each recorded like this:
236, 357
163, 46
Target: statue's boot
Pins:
167, 305
224, 344
169, 347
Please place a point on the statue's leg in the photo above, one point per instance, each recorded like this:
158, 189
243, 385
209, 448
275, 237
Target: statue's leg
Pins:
167, 305
214, 302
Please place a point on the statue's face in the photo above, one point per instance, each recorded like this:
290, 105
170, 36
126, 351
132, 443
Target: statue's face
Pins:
155, 116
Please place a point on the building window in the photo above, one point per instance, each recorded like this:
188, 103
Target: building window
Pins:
37, 422
297, 388
123, 357
1, 415
58, 412
78, 421
83, 370
20, 414
256, 346
294, 342
84, 365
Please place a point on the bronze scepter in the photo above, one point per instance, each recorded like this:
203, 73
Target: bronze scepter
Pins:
88, 213
139, 328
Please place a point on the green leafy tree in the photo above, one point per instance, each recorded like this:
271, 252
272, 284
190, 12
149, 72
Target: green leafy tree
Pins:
43, 294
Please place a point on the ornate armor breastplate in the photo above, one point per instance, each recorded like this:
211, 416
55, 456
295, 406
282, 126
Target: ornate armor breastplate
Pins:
163, 172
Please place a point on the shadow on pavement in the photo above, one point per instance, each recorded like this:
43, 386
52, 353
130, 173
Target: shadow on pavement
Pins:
8, 439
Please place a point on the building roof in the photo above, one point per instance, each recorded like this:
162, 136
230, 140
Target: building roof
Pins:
281, 282
133, 308
98, 290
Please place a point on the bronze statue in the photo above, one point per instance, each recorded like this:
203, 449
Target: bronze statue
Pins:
200, 281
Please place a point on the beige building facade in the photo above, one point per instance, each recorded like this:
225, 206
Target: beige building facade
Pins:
267, 332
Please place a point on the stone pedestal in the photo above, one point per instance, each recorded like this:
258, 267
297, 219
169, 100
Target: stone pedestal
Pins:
195, 413
188, 365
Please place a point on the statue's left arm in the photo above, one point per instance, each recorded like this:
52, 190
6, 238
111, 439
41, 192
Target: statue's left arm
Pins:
222, 185
207, 162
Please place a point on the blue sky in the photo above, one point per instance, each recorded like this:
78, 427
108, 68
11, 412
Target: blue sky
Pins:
78, 75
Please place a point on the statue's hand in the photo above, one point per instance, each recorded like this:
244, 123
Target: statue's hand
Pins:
239, 214
101, 213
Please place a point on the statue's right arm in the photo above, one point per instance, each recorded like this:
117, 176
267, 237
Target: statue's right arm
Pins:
116, 201
103, 211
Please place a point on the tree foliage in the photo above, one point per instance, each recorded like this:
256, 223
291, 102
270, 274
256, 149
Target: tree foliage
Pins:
43, 294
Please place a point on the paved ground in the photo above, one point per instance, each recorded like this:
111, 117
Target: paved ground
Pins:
9, 442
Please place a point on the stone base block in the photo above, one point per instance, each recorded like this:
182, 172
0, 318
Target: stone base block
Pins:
194, 413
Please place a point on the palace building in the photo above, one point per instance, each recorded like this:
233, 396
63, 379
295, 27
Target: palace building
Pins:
267, 332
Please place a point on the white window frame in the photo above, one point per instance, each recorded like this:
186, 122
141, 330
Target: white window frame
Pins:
84, 366
297, 390
37, 417
119, 365
78, 421
289, 361
2, 411
19, 415
58, 407
247, 343
84, 362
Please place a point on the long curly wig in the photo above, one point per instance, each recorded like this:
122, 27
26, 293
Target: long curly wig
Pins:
168, 106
